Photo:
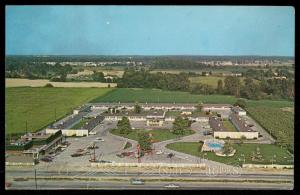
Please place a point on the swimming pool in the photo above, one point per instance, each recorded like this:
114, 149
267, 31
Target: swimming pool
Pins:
215, 146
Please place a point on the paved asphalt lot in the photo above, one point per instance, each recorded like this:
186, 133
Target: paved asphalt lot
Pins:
125, 185
113, 145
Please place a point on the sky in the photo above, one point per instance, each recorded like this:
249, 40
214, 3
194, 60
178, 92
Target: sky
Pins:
150, 30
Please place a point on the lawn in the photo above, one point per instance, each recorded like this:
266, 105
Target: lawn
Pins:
212, 80
229, 126
161, 96
158, 134
80, 124
37, 105
209, 80
267, 151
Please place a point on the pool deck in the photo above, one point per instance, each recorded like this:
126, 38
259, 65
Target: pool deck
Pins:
207, 148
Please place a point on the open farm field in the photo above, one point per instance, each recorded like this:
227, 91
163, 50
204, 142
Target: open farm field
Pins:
43, 82
161, 96
280, 124
114, 71
212, 80
37, 105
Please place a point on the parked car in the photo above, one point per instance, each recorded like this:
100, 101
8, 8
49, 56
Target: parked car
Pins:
100, 139
7, 184
76, 155
207, 133
20, 179
159, 152
120, 155
93, 147
171, 186
46, 159
93, 133
105, 161
170, 155
135, 181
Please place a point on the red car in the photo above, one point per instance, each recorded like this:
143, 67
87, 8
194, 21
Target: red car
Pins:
7, 184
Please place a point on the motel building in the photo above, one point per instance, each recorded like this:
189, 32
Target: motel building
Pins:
239, 111
243, 130
155, 118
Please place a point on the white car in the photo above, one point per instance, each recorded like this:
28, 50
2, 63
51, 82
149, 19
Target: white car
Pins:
171, 186
93, 133
100, 139
159, 152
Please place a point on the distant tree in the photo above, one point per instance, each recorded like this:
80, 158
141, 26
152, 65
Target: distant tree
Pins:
48, 85
63, 77
227, 149
241, 103
199, 107
180, 125
220, 86
124, 126
98, 76
144, 140
232, 86
137, 108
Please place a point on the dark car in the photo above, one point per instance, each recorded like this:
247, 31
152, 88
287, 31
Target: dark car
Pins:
20, 179
120, 155
76, 155
105, 161
45, 159
207, 133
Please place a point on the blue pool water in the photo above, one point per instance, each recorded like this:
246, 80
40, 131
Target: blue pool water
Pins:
215, 146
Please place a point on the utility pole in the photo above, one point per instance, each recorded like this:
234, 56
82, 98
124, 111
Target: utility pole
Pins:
26, 127
55, 114
35, 178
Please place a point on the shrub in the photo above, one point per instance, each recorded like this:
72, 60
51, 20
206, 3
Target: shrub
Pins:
241, 103
48, 85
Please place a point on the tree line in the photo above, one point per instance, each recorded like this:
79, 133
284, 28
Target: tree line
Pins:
267, 88
144, 79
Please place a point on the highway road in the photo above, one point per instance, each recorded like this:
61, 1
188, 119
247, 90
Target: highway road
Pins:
124, 185
30, 173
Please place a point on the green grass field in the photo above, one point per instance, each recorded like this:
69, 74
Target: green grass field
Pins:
267, 151
158, 134
211, 80
80, 124
37, 105
160, 96
229, 126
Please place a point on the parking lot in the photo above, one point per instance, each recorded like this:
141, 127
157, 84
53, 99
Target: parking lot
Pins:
111, 145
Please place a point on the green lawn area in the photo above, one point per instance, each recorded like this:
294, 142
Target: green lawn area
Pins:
160, 96
37, 105
229, 126
158, 134
268, 151
211, 80
80, 124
